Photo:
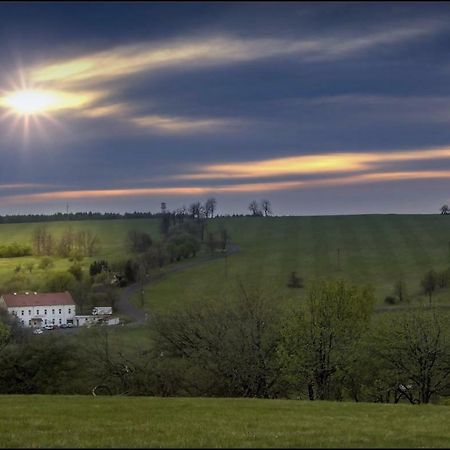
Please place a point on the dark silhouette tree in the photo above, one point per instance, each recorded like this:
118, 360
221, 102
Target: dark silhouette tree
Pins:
254, 208
210, 207
266, 207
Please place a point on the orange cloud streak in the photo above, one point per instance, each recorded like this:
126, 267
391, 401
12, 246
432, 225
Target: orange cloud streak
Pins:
233, 188
312, 164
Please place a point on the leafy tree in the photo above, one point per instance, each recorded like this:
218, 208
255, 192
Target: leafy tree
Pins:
76, 270
415, 349
131, 271
444, 209
60, 282
228, 348
98, 267
319, 340
139, 241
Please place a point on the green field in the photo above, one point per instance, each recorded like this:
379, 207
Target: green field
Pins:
373, 249
75, 421
112, 235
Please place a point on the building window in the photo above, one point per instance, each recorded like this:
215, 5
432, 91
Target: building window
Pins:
37, 312
60, 310
60, 321
22, 322
70, 311
21, 312
45, 311
45, 321
29, 322
53, 321
29, 312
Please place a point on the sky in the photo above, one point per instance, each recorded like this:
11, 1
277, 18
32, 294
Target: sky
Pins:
321, 108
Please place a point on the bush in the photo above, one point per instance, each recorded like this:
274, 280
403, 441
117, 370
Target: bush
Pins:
390, 300
295, 281
14, 250
46, 263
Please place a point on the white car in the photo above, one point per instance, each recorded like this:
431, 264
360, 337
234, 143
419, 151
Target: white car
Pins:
37, 331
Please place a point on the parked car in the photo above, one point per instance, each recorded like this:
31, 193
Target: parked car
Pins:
49, 327
63, 325
70, 325
37, 331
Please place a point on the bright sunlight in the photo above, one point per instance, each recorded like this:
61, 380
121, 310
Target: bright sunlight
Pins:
35, 102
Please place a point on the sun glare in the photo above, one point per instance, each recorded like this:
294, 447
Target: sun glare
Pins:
31, 102
36, 102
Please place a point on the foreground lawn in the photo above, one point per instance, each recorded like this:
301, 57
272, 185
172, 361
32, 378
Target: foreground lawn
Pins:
75, 421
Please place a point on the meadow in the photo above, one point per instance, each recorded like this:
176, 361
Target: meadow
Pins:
365, 249
112, 235
36, 421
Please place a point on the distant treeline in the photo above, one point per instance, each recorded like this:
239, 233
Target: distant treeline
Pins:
30, 218
26, 218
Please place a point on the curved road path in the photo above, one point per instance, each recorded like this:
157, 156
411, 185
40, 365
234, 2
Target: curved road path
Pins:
139, 316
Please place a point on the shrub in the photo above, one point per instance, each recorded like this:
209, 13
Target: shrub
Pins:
14, 250
295, 281
390, 300
46, 263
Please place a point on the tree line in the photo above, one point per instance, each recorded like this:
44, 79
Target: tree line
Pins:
331, 347
70, 242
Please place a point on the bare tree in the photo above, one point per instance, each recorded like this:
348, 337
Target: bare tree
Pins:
196, 210
266, 207
254, 208
429, 283
210, 207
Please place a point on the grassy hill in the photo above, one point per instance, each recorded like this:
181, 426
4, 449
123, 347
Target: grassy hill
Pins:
76, 421
373, 249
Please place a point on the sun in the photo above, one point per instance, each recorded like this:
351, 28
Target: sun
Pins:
36, 102
31, 102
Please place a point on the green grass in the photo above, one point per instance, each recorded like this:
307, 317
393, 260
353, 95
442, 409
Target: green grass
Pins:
374, 249
112, 235
76, 421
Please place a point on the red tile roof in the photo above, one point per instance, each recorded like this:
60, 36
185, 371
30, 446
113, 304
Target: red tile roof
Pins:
32, 299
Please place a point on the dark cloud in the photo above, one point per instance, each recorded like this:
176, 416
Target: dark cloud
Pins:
288, 79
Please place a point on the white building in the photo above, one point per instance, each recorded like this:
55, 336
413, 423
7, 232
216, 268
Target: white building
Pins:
38, 310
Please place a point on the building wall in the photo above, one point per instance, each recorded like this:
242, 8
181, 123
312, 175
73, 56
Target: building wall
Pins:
50, 315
